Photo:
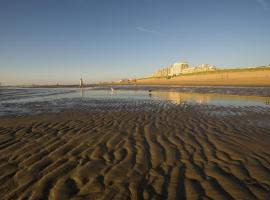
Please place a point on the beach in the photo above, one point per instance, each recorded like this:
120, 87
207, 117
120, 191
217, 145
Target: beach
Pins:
134, 100
240, 77
138, 150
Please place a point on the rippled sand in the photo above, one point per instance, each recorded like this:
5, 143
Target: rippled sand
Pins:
175, 152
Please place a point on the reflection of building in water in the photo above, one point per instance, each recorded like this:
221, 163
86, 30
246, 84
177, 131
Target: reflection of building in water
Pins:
82, 92
112, 91
181, 97
210, 98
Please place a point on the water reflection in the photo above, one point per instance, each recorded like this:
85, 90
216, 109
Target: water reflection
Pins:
82, 92
112, 91
20, 100
179, 98
212, 99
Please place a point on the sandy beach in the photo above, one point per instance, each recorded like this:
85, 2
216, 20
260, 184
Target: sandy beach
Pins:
219, 78
134, 100
168, 152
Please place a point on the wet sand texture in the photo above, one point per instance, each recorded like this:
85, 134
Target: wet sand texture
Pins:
174, 153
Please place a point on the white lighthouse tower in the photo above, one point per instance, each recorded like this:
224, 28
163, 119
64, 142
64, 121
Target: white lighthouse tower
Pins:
81, 83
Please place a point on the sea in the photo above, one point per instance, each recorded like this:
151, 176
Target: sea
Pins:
19, 101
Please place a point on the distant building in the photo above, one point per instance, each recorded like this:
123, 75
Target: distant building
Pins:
199, 68
129, 80
123, 80
172, 70
177, 69
164, 72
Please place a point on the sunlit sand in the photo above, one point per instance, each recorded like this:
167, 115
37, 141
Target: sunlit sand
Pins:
169, 145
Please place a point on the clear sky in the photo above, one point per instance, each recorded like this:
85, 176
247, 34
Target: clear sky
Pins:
49, 41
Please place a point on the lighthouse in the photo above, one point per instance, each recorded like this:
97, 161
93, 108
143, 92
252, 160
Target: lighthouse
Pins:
81, 83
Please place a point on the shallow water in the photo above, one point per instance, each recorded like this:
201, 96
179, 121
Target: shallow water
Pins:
20, 101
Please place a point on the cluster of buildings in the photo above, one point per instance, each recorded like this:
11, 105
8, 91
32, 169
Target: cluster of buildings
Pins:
177, 69
129, 80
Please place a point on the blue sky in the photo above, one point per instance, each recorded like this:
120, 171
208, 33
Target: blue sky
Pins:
60, 40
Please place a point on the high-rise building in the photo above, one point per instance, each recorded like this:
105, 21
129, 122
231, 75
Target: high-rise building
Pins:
177, 68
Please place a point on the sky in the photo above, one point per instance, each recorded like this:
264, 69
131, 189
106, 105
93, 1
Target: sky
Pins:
50, 41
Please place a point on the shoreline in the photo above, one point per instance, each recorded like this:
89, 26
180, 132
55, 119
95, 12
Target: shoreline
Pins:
165, 85
219, 78
263, 91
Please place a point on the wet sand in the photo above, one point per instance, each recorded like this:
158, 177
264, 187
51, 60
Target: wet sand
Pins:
174, 152
228, 90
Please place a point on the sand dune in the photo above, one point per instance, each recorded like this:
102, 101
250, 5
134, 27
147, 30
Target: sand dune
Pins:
218, 78
181, 152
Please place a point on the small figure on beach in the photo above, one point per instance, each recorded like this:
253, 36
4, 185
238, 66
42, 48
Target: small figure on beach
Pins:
149, 92
81, 83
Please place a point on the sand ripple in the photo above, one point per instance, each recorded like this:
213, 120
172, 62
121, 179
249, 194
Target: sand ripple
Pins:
174, 153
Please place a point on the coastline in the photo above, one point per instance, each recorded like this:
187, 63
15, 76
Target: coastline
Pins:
246, 78
256, 77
